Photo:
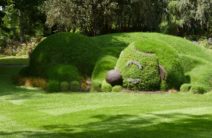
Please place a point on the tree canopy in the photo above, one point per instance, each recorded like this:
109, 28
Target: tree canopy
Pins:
21, 19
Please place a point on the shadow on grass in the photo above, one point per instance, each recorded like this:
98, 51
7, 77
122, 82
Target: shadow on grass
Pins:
129, 126
6, 85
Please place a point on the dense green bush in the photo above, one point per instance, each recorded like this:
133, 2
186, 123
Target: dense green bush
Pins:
117, 88
53, 86
75, 86
163, 86
140, 71
185, 87
103, 65
106, 87
64, 86
198, 89
63, 73
96, 86
26, 71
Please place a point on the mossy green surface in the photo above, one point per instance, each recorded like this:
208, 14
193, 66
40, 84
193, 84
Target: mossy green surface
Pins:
117, 88
53, 86
163, 85
183, 61
103, 65
106, 87
198, 89
140, 71
185, 87
63, 73
75, 86
168, 58
64, 86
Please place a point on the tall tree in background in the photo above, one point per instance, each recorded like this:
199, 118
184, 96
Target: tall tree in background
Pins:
22, 19
139, 15
186, 17
31, 19
2, 5
104, 16
90, 16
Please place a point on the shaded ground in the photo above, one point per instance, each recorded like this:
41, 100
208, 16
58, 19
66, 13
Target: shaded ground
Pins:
34, 113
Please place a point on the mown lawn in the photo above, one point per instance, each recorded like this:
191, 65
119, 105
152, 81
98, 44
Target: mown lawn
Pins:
34, 113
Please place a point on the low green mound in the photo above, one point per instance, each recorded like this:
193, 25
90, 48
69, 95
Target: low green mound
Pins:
139, 70
94, 56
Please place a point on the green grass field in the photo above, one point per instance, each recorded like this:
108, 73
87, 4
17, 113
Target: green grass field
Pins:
34, 113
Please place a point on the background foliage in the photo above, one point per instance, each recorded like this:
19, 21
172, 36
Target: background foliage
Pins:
22, 19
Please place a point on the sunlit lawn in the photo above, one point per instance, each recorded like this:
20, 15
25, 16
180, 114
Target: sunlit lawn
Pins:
34, 113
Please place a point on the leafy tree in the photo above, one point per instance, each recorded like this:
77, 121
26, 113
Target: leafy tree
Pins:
90, 16
139, 15
30, 16
2, 5
103, 16
21, 18
186, 17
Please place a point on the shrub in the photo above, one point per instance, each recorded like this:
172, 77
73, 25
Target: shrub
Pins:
185, 87
75, 86
140, 71
117, 88
197, 89
64, 86
53, 86
63, 73
106, 87
163, 85
103, 65
96, 86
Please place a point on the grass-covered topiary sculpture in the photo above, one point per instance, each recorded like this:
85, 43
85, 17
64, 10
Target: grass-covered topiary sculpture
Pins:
140, 70
106, 87
103, 65
63, 72
117, 88
180, 60
65, 48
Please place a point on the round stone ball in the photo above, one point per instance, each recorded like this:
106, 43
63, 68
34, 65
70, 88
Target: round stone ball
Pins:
114, 77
